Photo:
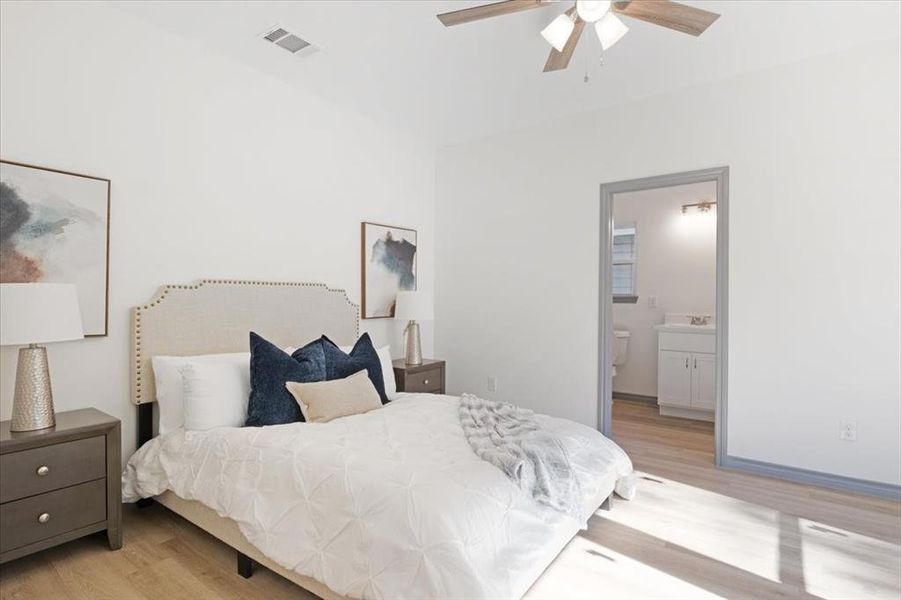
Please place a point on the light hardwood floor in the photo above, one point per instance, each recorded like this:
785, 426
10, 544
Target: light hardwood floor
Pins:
693, 531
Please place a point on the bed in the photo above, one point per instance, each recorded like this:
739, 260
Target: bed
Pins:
390, 503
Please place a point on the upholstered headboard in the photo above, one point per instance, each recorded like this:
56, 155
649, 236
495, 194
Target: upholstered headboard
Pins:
215, 316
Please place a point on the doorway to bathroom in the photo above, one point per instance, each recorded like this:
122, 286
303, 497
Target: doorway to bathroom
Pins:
663, 311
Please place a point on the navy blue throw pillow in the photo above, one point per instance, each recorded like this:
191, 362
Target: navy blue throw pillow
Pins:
270, 402
339, 365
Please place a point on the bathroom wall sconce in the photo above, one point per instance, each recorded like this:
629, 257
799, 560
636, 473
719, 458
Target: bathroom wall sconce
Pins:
703, 206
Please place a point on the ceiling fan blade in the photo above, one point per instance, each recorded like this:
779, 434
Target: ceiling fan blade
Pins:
665, 13
560, 60
495, 9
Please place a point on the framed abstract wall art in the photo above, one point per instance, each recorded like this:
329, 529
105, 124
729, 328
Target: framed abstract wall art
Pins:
389, 266
54, 228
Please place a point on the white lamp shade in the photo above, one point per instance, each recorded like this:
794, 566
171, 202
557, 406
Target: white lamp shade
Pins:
558, 31
592, 10
610, 30
414, 306
36, 313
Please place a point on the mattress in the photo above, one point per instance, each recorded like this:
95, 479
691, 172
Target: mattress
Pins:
388, 504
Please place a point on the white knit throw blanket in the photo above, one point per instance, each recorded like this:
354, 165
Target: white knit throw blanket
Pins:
511, 439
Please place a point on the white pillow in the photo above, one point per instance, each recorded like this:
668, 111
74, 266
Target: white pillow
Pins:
387, 369
216, 394
167, 373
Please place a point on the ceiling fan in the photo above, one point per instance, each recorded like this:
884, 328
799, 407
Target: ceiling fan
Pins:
563, 33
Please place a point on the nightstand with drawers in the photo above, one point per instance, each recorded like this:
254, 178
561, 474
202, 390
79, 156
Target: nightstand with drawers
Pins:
61, 483
426, 378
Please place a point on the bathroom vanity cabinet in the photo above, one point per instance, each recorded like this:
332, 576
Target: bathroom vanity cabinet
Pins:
686, 371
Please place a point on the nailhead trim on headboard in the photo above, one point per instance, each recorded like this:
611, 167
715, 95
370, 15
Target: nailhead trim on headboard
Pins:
164, 291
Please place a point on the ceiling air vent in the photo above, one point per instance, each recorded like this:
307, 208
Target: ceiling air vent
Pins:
290, 42
276, 34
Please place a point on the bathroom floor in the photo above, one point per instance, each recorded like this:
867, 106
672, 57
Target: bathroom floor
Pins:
642, 421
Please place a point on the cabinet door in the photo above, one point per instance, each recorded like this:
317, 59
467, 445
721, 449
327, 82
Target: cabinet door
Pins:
674, 378
703, 381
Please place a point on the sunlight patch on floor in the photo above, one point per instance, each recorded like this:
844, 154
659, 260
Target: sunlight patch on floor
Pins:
692, 532
843, 564
586, 569
705, 522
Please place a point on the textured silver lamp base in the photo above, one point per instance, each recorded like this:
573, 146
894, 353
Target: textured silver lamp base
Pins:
33, 399
412, 346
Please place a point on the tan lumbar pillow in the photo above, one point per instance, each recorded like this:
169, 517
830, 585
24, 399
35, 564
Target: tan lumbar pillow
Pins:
322, 401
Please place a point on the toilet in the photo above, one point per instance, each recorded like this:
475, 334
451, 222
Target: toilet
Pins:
620, 348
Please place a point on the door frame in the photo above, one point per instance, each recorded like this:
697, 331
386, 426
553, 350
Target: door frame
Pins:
720, 175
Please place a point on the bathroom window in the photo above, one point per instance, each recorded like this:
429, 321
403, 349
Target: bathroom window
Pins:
624, 280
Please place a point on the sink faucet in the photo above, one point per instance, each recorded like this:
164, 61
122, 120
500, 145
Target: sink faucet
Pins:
699, 319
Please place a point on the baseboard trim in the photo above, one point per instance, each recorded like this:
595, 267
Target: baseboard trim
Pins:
635, 397
687, 413
818, 478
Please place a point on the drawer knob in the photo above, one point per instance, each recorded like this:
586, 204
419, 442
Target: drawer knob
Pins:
43, 470
44, 517
426, 382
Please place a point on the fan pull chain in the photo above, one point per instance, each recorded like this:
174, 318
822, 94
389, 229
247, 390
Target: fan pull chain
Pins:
588, 65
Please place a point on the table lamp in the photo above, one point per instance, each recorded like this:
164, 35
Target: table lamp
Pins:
32, 314
412, 307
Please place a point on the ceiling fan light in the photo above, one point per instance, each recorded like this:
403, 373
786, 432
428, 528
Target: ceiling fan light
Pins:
592, 10
610, 30
558, 31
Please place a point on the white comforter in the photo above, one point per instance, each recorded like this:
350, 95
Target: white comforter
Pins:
388, 504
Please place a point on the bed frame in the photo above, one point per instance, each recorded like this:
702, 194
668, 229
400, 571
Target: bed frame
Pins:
214, 316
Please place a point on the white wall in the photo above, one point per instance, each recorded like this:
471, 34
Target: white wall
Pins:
217, 171
814, 153
675, 264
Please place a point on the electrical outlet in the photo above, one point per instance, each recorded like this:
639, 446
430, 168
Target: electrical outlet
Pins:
492, 383
652, 301
848, 431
